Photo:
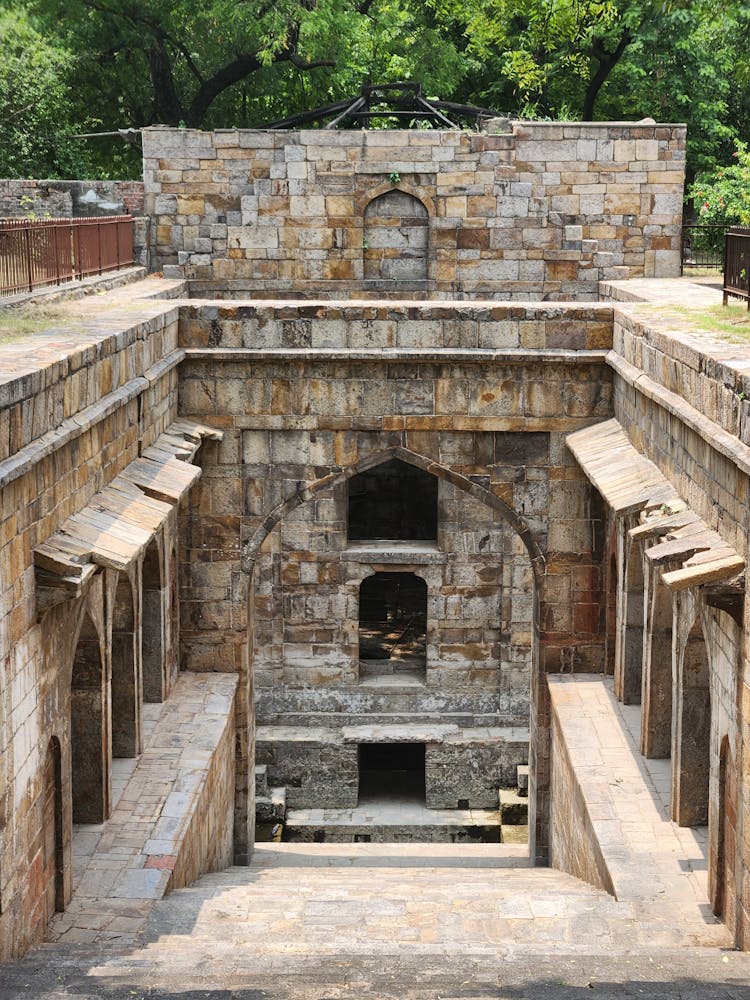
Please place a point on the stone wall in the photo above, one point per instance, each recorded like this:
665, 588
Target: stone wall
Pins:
685, 404
74, 410
207, 844
529, 210
309, 395
70, 199
574, 846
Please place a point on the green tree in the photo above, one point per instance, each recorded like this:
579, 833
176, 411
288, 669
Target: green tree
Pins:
35, 107
226, 63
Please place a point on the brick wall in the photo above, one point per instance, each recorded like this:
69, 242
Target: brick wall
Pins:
73, 413
66, 199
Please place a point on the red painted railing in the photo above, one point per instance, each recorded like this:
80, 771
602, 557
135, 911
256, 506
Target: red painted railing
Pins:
737, 264
51, 251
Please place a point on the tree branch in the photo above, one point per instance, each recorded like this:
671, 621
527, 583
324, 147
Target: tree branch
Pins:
607, 61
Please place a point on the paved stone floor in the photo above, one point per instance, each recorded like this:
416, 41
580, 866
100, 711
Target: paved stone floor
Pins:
381, 922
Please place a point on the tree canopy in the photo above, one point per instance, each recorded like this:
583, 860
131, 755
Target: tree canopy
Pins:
96, 65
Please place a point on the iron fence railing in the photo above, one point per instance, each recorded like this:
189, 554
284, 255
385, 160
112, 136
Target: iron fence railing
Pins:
737, 264
51, 251
703, 246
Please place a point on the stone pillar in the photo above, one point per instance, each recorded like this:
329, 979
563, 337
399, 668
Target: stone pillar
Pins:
691, 714
656, 691
630, 617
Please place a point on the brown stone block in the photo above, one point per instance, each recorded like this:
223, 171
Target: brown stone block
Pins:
586, 619
473, 239
339, 270
598, 335
562, 270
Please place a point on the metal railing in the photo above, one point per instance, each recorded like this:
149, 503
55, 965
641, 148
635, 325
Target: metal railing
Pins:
51, 251
737, 264
703, 246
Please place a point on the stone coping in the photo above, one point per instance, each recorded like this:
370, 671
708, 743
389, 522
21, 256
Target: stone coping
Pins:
416, 732
73, 290
405, 355
649, 860
372, 308
630, 483
120, 521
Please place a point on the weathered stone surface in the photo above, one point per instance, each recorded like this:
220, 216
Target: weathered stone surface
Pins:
392, 215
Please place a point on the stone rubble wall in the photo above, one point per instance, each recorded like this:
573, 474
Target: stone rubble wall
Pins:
53, 199
529, 210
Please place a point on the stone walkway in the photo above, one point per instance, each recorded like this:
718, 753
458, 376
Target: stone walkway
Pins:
123, 865
655, 866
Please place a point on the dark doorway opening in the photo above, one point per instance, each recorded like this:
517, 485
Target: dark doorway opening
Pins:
392, 770
393, 626
395, 501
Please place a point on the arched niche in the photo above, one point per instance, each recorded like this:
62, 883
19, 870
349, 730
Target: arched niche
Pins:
89, 741
152, 628
393, 500
396, 238
126, 683
392, 626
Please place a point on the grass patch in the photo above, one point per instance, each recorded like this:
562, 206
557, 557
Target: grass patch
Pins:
17, 322
730, 322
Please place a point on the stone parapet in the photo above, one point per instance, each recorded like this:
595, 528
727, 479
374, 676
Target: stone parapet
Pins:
537, 211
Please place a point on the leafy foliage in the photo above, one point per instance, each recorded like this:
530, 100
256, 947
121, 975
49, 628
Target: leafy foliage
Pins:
95, 65
722, 198
35, 109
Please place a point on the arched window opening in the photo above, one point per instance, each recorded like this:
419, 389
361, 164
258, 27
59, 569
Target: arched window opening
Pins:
392, 627
152, 638
52, 831
395, 238
126, 686
394, 501
88, 732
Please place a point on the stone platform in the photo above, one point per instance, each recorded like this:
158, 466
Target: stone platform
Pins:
391, 819
380, 922
615, 809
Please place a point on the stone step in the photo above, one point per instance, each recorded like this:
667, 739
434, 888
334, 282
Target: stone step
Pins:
261, 781
514, 808
271, 808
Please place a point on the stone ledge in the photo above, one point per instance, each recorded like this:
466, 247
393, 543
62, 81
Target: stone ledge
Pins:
406, 355
646, 860
23, 460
